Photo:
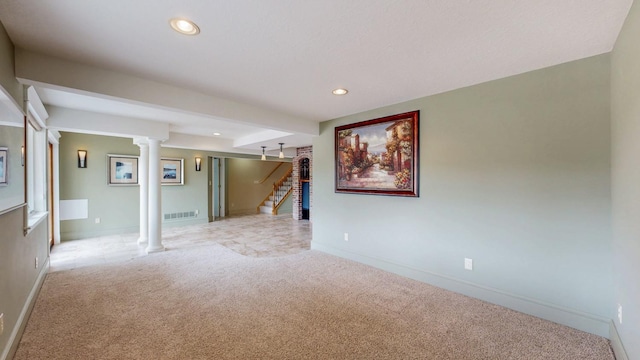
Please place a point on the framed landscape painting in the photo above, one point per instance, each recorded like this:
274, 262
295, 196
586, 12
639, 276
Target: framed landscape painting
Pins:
172, 171
122, 170
378, 156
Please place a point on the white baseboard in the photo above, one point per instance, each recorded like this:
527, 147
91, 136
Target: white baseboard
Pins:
616, 343
573, 318
18, 329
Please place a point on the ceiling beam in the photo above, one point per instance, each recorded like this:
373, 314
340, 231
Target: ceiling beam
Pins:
87, 122
50, 72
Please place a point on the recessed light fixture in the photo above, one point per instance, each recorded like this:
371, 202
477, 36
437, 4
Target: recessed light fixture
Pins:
340, 91
216, 134
184, 26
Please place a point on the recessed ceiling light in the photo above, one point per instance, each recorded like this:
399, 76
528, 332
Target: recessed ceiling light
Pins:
340, 91
184, 26
217, 134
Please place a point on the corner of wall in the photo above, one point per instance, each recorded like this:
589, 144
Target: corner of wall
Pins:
616, 343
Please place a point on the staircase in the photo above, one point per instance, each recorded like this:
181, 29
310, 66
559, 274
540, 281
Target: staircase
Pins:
281, 189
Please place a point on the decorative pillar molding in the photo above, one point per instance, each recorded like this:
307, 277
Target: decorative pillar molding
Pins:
155, 198
143, 179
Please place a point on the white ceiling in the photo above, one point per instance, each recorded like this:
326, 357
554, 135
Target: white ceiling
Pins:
285, 56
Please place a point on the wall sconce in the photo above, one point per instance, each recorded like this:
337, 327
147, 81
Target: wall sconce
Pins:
281, 156
22, 157
198, 163
82, 159
264, 157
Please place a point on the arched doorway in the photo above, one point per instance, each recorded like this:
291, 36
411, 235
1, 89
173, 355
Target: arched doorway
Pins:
303, 183
305, 192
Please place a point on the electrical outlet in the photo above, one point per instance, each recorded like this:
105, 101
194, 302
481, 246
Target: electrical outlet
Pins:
97, 220
36, 262
620, 313
346, 236
1, 323
468, 264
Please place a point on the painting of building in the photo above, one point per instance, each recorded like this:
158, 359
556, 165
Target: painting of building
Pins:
378, 155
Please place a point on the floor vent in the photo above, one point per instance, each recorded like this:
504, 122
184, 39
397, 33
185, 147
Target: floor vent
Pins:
180, 216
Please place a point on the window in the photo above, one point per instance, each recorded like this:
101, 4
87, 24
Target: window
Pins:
304, 169
36, 170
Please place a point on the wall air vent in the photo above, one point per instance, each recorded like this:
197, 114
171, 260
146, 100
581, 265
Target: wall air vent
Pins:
177, 216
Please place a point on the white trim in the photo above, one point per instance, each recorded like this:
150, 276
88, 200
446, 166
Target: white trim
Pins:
36, 107
34, 219
54, 140
573, 318
616, 343
223, 185
34, 121
36, 154
54, 136
16, 334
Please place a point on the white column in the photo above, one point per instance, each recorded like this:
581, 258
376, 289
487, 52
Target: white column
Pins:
143, 179
54, 138
155, 198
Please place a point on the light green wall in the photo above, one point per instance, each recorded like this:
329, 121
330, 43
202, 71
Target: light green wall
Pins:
12, 194
10, 136
243, 192
118, 206
625, 118
19, 278
7, 68
287, 205
193, 194
514, 174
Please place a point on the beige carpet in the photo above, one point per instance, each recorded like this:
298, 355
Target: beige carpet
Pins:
212, 303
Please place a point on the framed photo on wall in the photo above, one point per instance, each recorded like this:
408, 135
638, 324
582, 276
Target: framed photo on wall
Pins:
122, 170
378, 156
172, 171
4, 152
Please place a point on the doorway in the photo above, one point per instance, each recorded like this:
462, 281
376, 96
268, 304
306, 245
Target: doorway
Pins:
216, 188
304, 184
51, 194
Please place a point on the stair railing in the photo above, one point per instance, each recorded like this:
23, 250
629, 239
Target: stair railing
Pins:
281, 188
278, 192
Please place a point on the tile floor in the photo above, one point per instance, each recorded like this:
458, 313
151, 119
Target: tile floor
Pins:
250, 235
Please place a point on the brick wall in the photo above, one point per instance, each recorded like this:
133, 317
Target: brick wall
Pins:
302, 153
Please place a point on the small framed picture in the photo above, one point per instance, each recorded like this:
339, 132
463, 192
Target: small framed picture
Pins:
3, 166
122, 170
172, 171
